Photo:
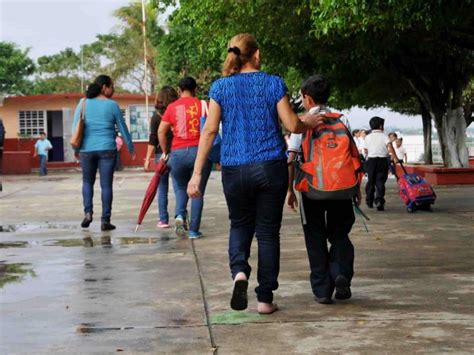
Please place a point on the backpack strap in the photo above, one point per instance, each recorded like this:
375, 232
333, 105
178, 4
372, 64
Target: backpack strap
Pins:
332, 115
353, 146
204, 108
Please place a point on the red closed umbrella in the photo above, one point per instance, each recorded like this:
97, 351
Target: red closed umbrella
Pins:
150, 193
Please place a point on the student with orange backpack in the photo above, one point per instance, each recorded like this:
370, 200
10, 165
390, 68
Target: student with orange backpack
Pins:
328, 175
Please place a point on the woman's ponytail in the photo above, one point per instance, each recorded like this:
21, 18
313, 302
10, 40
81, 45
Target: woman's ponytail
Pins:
233, 62
241, 49
95, 89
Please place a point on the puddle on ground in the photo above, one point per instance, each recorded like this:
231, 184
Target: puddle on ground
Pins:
28, 227
104, 240
14, 272
89, 328
79, 242
16, 244
233, 317
142, 240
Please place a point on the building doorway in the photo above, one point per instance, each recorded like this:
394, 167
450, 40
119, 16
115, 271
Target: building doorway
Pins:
55, 135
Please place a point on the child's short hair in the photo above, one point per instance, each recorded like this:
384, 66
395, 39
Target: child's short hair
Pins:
187, 83
317, 87
393, 134
355, 131
376, 122
42, 133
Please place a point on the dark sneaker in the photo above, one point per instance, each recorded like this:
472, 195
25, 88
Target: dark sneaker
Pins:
370, 204
107, 226
323, 300
239, 301
380, 207
87, 220
343, 288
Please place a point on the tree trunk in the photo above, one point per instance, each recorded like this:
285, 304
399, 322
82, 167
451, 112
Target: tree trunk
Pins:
427, 130
451, 126
446, 110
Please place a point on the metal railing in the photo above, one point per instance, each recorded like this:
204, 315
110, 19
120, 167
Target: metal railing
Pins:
415, 152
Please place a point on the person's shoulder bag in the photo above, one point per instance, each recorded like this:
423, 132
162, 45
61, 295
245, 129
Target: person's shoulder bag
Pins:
78, 134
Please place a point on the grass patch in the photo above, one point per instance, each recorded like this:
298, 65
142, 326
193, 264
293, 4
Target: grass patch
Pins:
14, 272
234, 317
69, 242
19, 244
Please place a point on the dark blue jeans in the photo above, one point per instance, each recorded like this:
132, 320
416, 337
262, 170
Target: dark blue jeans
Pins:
162, 198
104, 160
181, 164
329, 220
42, 160
255, 196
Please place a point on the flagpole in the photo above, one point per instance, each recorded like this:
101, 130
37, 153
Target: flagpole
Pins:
145, 58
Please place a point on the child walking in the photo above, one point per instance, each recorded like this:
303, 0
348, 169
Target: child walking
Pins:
328, 175
378, 148
42, 147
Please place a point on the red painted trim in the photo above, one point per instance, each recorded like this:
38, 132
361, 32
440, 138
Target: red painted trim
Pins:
16, 162
27, 148
439, 175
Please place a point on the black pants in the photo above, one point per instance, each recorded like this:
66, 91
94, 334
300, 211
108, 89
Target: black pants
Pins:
255, 195
329, 220
377, 174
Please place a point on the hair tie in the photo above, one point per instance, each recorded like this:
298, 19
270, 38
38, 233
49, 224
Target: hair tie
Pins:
234, 50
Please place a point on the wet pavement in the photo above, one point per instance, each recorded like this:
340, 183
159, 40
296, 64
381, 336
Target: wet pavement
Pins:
68, 290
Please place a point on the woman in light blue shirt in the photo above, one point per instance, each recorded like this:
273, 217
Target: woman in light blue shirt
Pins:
98, 149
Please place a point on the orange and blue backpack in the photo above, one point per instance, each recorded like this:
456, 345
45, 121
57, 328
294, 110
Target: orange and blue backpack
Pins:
330, 168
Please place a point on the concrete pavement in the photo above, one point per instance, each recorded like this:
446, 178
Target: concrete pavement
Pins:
153, 292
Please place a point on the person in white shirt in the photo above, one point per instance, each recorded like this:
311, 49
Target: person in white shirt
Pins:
377, 148
361, 143
400, 150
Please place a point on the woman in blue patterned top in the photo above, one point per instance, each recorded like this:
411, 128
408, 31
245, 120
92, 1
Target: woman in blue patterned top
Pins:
254, 170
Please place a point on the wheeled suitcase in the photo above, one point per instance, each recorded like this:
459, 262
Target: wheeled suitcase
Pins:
415, 191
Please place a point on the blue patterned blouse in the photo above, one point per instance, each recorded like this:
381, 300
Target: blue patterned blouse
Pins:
251, 131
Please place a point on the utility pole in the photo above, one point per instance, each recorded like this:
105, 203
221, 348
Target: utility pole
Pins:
145, 82
82, 70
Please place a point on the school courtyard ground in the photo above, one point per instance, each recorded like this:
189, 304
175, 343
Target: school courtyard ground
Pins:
66, 290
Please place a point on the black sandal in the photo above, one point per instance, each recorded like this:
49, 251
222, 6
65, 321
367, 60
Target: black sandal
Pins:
239, 300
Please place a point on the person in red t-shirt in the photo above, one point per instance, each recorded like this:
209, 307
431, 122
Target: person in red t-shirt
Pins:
183, 117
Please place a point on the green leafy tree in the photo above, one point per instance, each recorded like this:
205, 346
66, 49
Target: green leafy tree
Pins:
67, 70
15, 67
428, 44
375, 53
119, 54
125, 50
199, 32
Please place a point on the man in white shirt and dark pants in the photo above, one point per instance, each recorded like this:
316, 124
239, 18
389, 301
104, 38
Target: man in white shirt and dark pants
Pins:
377, 147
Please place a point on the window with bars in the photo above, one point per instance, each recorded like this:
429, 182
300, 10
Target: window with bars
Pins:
31, 123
